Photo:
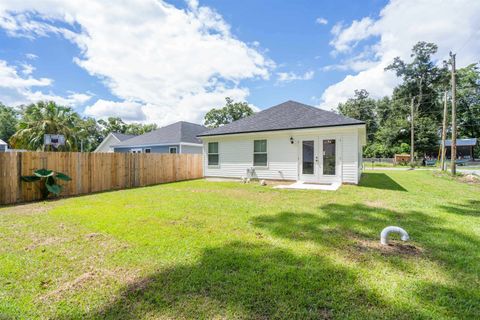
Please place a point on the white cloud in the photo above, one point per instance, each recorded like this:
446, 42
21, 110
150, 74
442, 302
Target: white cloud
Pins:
31, 56
321, 21
173, 62
16, 88
127, 110
452, 25
27, 69
290, 76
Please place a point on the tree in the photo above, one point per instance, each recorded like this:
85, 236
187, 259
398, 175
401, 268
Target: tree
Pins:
361, 107
8, 122
89, 134
421, 80
468, 101
45, 118
232, 111
116, 124
139, 128
112, 124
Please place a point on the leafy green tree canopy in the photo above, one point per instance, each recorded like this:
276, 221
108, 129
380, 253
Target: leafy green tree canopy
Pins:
232, 111
361, 107
8, 122
45, 117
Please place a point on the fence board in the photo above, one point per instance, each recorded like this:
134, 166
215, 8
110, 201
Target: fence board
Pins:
93, 172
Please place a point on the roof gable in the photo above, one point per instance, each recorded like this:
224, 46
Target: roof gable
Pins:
285, 116
2, 142
122, 136
172, 134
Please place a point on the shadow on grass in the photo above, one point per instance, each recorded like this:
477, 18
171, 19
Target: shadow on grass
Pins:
242, 280
379, 181
471, 208
343, 227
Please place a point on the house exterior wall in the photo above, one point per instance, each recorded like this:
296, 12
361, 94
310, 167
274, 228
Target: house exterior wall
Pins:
236, 153
154, 149
106, 144
3, 147
192, 149
189, 149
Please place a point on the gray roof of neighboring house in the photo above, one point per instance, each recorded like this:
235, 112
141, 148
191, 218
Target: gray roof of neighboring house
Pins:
462, 142
174, 133
122, 136
2, 142
285, 116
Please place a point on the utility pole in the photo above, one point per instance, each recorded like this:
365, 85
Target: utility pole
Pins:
453, 165
444, 131
412, 134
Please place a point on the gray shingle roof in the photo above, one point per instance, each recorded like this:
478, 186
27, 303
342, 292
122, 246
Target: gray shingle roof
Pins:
462, 142
172, 134
285, 116
122, 136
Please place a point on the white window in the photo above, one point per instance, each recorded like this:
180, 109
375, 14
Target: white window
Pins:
136, 150
260, 158
213, 158
173, 150
148, 150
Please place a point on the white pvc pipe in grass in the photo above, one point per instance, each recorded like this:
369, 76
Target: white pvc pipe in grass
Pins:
388, 230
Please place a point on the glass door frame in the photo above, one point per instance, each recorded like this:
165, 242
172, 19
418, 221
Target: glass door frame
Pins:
316, 170
318, 176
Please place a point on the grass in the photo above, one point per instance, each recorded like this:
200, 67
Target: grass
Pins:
208, 250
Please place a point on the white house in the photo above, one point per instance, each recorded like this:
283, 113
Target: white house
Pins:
112, 139
290, 141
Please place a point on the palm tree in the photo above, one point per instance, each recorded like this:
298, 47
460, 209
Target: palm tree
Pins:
45, 118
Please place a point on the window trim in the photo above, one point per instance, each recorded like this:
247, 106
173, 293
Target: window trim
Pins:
136, 150
170, 150
218, 154
253, 153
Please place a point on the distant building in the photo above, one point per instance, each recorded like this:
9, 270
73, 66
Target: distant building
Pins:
3, 146
179, 137
112, 139
465, 148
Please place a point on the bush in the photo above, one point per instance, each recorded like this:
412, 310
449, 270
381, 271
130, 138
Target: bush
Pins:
47, 181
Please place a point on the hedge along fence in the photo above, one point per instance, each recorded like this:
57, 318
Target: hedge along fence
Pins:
93, 172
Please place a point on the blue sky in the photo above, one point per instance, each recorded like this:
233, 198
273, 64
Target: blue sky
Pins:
161, 62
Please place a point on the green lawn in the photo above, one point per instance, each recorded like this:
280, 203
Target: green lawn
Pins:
207, 250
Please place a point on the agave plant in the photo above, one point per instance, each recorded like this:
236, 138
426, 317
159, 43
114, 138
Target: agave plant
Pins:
48, 181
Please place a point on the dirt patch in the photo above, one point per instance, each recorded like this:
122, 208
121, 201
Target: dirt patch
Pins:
393, 248
75, 284
44, 243
325, 314
470, 179
29, 208
93, 235
93, 277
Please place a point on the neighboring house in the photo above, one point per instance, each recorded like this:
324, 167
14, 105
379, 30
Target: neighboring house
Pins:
465, 148
112, 139
179, 137
290, 141
3, 146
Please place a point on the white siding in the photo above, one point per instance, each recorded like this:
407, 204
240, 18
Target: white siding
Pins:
236, 154
360, 159
106, 144
350, 157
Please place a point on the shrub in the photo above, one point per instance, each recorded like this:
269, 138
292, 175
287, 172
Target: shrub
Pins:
47, 181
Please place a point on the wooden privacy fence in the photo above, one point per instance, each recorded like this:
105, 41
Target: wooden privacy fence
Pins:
93, 172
